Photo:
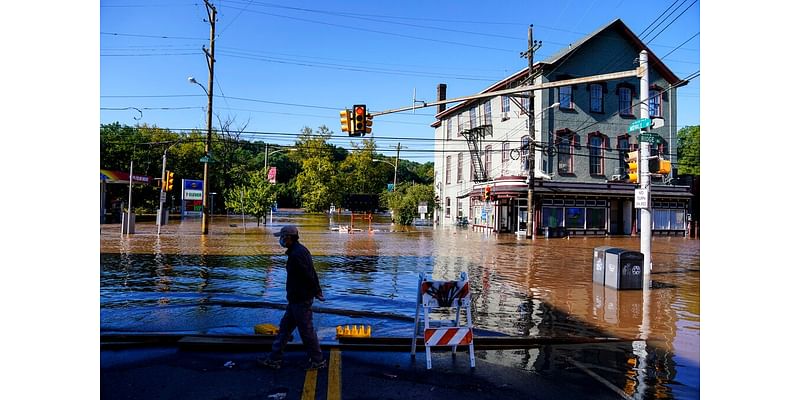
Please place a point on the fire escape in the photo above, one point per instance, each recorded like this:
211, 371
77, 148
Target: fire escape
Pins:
474, 132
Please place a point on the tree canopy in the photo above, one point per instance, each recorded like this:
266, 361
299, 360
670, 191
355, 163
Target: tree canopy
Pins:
689, 150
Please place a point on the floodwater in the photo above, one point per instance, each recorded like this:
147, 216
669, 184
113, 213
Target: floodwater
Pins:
232, 279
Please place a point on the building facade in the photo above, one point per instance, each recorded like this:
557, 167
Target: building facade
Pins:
576, 150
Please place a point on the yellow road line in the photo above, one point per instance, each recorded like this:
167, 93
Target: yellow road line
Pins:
310, 386
335, 375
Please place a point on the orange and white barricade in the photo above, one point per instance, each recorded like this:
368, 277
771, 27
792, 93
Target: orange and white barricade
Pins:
445, 295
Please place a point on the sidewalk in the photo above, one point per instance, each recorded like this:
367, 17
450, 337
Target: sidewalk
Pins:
180, 372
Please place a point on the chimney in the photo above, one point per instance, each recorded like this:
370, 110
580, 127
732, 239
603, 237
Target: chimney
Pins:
441, 94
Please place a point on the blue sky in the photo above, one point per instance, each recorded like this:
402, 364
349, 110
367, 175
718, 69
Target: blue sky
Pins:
282, 66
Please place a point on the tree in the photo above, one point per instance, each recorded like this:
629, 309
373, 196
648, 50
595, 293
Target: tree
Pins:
689, 150
405, 200
315, 183
254, 197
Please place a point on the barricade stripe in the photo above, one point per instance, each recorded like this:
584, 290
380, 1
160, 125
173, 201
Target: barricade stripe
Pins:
448, 336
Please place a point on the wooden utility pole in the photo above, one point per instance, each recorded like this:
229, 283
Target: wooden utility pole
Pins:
530, 231
212, 19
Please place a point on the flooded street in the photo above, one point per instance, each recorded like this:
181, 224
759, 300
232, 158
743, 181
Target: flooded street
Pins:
232, 279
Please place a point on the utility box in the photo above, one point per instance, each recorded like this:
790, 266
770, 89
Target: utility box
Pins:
125, 217
599, 264
624, 269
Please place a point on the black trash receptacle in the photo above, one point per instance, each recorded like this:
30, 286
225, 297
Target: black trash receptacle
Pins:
624, 269
599, 264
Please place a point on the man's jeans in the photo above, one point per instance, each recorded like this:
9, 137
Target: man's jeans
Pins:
297, 315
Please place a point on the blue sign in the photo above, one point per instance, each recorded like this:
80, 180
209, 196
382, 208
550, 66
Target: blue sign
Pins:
641, 123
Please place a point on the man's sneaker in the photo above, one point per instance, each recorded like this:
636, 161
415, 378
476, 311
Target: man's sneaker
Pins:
317, 364
274, 364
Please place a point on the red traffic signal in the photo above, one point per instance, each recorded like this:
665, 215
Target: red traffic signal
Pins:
359, 119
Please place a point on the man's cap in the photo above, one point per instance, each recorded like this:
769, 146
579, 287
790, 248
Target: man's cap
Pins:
287, 230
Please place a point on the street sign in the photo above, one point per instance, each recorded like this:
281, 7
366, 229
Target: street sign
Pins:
649, 137
204, 159
641, 199
657, 123
163, 197
641, 123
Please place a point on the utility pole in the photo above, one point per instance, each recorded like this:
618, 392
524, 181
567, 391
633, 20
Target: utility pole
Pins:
212, 19
397, 157
644, 168
530, 232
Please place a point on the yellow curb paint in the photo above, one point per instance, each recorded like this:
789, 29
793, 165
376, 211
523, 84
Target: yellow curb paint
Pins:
335, 375
310, 386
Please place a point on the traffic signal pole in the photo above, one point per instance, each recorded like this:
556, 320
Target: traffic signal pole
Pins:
160, 220
644, 170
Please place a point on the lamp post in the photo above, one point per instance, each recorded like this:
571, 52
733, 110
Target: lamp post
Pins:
204, 221
530, 231
268, 153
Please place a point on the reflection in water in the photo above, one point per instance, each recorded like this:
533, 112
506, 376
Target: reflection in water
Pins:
230, 280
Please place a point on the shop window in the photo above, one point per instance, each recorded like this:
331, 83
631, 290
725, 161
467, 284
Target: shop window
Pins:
596, 218
552, 217
576, 217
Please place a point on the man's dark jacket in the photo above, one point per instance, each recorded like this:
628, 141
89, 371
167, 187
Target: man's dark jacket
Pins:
302, 283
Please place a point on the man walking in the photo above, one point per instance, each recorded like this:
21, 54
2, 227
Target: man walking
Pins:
302, 287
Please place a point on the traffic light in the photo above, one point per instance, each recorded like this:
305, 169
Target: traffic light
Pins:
659, 166
487, 192
633, 166
368, 124
168, 178
359, 119
345, 118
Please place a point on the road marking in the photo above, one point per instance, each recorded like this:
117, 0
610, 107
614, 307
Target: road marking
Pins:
335, 375
310, 386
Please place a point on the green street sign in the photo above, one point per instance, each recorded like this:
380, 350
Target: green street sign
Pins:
649, 137
641, 123
205, 159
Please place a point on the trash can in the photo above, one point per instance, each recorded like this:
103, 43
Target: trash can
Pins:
599, 264
624, 269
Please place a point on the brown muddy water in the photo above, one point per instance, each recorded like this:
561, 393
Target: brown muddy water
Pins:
231, 279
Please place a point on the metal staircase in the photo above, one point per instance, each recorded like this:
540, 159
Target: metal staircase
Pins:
474, 137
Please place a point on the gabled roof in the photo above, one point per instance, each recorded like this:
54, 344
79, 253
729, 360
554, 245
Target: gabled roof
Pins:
565, 53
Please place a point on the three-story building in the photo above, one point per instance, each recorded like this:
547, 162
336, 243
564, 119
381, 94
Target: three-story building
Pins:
575, 151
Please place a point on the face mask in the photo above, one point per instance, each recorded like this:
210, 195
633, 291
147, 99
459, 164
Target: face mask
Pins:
282, 242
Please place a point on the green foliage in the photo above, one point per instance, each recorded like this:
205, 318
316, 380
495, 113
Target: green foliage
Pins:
314, 176
254, 197
315, 184
406, 199
689, 151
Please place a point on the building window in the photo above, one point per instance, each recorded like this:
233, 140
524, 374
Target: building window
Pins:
552, 217
654, 103
523, 154
596, 98
565, 145
487, 113
525, 105
449, 129
596, 146
565, 97
504, 156
623, 143
447, 207
505, 103
460, 168
488, 161
625, 101
473, 118
447, 171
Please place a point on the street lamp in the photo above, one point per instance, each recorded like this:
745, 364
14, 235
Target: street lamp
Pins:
268, 153
530, 229
209, 93
394, 183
